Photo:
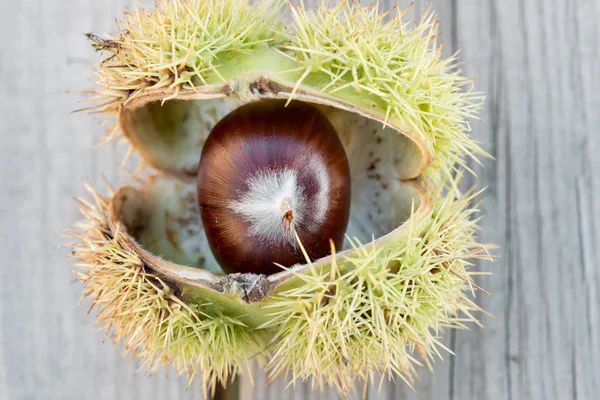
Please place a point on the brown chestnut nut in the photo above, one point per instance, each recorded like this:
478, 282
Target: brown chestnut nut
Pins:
268, 170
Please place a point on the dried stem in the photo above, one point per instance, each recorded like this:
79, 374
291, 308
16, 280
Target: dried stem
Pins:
229, 392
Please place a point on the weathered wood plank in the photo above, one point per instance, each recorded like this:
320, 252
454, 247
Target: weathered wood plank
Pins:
49, 348
529, 57
536, 60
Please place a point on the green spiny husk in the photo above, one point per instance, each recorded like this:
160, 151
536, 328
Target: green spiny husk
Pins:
152, 320
363, 314
346, 52
372, 310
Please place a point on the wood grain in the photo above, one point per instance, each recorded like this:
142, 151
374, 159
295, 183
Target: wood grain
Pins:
537, 61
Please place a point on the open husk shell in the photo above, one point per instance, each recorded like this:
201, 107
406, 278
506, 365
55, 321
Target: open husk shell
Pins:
377, 305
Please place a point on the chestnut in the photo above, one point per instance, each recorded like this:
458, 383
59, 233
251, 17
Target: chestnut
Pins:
268, 171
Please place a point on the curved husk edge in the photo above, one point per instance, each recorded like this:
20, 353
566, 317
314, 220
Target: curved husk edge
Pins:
160, 221
151, 125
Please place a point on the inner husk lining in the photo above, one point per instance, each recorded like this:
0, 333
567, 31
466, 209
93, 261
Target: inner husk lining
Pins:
164, 219
170, 137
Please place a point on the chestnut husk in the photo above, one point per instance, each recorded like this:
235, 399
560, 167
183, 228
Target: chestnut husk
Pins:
366, 309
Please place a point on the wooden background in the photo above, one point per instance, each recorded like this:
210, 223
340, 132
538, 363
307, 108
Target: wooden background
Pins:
539, 63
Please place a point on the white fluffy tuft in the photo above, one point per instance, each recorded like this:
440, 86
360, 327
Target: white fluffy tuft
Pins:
271, 194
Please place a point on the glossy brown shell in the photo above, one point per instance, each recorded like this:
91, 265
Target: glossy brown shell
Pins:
264, 137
